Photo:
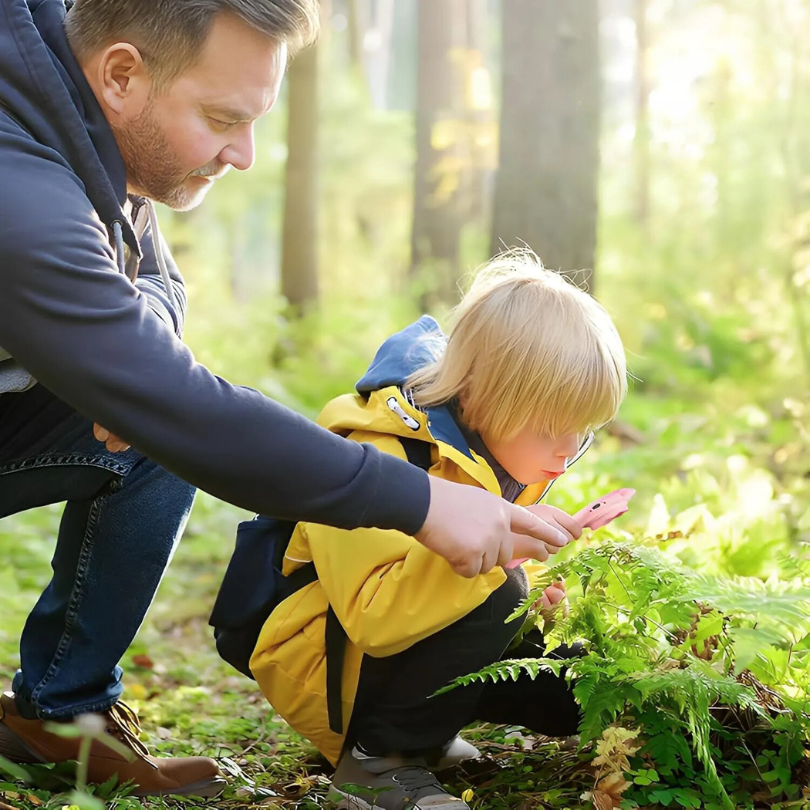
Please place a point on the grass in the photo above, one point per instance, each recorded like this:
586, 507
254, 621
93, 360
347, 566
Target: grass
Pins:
192, 703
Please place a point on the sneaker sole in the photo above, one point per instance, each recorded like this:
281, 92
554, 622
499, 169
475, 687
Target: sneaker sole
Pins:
346, 801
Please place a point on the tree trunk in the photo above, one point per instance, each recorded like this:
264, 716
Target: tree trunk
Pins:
442, 31
641, 144
357, 24
546, 188
299, 252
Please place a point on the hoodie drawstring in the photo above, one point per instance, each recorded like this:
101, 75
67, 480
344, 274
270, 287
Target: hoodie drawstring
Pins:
118, 237
161, 259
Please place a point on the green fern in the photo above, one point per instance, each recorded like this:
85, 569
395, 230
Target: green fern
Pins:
645, 619
508, 670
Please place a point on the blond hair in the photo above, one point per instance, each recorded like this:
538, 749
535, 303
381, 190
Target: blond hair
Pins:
527, 349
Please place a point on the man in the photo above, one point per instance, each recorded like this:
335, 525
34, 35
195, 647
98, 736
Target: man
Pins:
105, 106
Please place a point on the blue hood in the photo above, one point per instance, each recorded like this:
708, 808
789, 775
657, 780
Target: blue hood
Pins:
42, 86
402, 354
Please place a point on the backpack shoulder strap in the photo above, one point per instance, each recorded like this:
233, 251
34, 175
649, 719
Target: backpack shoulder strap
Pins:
417, 452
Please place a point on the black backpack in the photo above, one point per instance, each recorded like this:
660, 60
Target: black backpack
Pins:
254, 586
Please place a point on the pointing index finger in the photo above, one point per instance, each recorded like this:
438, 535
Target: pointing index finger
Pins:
527, 523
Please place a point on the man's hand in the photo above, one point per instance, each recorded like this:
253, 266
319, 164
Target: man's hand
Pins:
475, 530
111, 441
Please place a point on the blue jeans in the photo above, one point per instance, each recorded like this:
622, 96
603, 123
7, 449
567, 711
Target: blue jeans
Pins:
121, 523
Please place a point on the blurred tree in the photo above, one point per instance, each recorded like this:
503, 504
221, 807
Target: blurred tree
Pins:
546, 188
357, 12
299, 247
436, 216
378, 50
641, 141
452, 116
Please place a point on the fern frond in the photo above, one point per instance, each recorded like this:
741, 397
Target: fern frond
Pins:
510, 669
784, 607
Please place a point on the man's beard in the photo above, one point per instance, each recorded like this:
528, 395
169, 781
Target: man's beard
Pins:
152, 169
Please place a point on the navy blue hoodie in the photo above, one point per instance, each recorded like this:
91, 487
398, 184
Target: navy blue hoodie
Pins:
109, 347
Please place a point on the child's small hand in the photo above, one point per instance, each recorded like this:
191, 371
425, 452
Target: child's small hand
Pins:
556, 517
553, 600
553, 595
568, 527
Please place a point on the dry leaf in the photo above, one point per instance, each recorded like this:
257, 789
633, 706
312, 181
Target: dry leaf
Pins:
614, 783
604, 801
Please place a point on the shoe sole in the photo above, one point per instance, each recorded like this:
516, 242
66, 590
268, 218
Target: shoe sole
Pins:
15, 750
205, 789
346, 801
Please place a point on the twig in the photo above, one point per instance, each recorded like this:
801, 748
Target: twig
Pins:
619, 579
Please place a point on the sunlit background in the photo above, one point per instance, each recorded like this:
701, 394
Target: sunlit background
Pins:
656, 150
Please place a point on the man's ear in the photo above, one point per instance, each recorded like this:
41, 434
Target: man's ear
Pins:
122, 81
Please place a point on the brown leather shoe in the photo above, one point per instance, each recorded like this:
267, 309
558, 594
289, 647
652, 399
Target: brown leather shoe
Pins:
27, 741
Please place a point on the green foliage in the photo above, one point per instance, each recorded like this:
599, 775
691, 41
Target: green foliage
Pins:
662, 651
710, 296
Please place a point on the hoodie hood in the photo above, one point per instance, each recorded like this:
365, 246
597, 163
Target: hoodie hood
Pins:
43, 87
400, 356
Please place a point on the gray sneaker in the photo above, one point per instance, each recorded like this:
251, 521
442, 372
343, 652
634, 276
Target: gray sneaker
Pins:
388, 783
452, 753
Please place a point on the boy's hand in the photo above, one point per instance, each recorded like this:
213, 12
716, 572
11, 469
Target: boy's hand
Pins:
109, 440
554, 599
475, 530
556, 517
553, 595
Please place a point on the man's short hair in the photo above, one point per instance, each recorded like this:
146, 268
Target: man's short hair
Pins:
171, 33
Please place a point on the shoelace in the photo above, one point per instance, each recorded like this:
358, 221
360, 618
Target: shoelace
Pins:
415, 777
126, 727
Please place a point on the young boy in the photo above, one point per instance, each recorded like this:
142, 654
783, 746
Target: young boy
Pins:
531, 365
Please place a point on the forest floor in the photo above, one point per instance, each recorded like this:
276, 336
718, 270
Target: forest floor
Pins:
190, 702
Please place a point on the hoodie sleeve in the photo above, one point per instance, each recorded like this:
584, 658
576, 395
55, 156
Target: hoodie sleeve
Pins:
91, 337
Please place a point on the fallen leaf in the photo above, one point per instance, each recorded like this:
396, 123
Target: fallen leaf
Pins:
614, 783
604, 801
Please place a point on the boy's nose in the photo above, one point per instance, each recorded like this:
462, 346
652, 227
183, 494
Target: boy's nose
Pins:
568, 446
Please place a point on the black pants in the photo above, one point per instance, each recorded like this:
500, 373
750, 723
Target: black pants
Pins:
394, 713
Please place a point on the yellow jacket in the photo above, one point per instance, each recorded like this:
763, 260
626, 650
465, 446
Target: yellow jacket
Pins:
387, 590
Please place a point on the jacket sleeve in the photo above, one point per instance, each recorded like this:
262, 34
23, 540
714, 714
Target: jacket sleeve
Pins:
387, 590
150, 283
91, 337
